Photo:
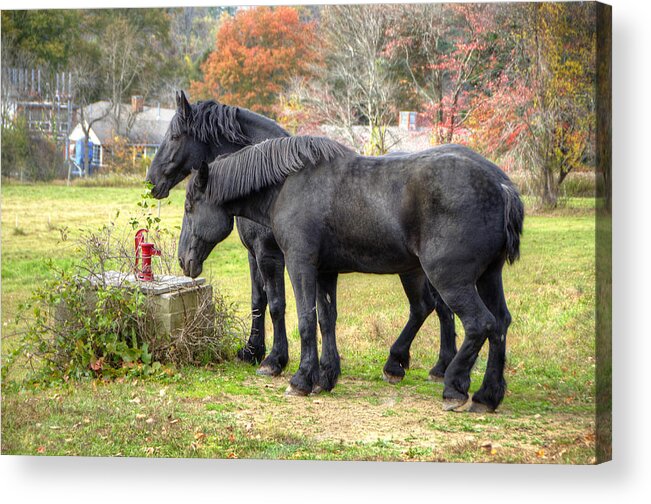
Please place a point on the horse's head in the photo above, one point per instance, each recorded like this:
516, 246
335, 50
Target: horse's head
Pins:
205, 224
178, 153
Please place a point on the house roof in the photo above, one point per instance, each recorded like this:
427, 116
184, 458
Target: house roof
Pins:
146, 127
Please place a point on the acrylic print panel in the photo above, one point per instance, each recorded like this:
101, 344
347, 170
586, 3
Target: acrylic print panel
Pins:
441, 129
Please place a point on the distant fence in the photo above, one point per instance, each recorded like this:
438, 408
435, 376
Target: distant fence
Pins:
36, 84
43, 98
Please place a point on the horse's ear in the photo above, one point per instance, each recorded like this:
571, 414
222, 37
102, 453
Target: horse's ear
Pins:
183, 105
201, 179
178, 99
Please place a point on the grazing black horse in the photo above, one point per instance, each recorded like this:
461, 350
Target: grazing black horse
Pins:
201, 132
446, 211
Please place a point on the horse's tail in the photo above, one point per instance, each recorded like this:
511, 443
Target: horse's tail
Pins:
513, 220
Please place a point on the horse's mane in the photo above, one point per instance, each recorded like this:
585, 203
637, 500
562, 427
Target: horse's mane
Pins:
267, 163
210, 122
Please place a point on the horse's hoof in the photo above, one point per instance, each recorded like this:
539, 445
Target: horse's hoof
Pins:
293, 391
317, 389
477, 407
435, 378
392, 379
246, 355
267, 371
454, 404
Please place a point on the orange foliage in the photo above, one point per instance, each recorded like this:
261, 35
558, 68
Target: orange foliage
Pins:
258, 51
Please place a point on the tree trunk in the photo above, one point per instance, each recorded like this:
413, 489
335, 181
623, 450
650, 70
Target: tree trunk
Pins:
549, 192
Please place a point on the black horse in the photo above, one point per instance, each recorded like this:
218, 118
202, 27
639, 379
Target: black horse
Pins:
201, 132
446, 211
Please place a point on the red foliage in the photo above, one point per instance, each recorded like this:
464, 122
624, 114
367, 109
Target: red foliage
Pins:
257, 52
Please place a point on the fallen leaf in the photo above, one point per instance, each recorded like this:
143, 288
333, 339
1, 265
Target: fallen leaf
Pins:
41, 449
140, 416
135, 400
150, 420
232, 455
540, 453
199, 436
176, 420
97, 365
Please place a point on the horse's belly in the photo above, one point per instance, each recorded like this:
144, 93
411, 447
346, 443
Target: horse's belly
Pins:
351, 253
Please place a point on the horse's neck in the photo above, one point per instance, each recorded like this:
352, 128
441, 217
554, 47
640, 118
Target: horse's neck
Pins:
258, 128
255, 206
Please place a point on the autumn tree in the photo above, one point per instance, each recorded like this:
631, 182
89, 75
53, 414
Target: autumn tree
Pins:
543, 115
360, 82
451, 53
258, 51
130, 43
49, 37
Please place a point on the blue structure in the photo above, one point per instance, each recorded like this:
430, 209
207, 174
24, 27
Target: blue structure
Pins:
80, 152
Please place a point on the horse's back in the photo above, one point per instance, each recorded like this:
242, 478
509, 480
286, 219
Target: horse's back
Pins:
374, 213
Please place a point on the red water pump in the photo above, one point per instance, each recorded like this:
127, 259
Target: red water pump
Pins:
144, 251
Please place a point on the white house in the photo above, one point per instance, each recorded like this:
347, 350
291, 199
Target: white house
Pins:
142, 126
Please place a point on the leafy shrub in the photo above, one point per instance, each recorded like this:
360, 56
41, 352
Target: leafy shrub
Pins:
125, 159
575, 185
110, 179
80, 323
29, 156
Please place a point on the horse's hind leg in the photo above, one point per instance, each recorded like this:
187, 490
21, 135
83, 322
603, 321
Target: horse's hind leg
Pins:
448, 345
254, 350
492, 389
326, 303
421, 303
272, 270
457, 288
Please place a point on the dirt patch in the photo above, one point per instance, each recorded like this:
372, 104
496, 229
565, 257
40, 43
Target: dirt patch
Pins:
407, 420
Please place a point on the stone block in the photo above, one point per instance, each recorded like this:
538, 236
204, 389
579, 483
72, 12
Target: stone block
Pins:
173, 301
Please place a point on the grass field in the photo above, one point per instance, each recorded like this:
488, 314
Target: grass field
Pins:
548, 414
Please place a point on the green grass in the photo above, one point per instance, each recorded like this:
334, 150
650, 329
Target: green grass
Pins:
229, 411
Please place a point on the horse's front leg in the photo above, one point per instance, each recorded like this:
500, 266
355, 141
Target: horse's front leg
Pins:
330, 366
272, 267
303, 276
254, 350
